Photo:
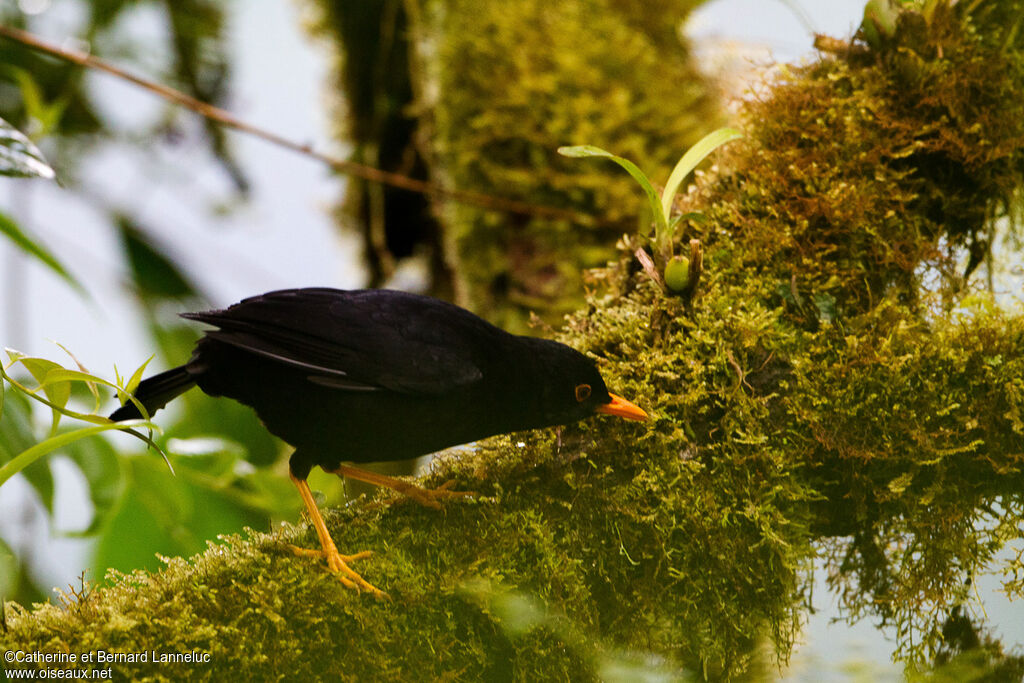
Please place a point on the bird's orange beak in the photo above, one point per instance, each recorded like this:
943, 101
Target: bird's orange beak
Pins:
622, 408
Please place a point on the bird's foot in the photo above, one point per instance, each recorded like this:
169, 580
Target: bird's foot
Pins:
430, 498
338, 565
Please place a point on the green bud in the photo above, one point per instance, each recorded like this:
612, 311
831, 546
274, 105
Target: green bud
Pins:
677, 273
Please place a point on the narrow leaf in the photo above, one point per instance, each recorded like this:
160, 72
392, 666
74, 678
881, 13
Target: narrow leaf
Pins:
57, 392
38, 367
583, 151
60, 374
90, 383
9, 228
697, 217
45, 116
30, 455
696, 154
133, 383
31, 93
64, 376
19, 157
14, 355
33, 394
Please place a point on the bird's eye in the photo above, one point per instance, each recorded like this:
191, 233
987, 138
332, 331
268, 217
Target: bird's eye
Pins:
582, 392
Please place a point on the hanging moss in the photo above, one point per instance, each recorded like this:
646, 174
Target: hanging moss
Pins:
817, 403
865, 169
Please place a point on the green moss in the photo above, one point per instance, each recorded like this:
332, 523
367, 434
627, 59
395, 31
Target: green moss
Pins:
861, 172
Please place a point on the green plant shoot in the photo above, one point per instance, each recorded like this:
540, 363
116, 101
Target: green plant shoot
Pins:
54, 391
661, 207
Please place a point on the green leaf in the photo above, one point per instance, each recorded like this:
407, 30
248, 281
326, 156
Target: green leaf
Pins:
10, 577
697, 217
38, 367
64, 376
90, 382
136, 377
585, 151
48, 370
18, 357
19, 157
45, 116
696, 154
167, 498
14, 355
17, 433
30, 455
31, 94
880, 17
58, 391
16, 428
172, 516
9, 228
56, 384
900, 483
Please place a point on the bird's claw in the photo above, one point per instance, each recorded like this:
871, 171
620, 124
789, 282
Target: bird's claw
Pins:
337, 564
432, 497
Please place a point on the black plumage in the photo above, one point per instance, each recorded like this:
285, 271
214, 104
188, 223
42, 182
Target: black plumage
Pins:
376, 375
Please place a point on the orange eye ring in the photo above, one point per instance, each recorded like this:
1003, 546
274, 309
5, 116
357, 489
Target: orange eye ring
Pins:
582, 392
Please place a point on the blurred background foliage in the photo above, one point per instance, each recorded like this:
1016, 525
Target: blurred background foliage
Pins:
52, 102
224, 458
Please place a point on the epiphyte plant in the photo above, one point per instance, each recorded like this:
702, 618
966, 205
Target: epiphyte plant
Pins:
676, 269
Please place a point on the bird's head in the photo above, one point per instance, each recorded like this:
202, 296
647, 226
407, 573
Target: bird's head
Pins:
574, 389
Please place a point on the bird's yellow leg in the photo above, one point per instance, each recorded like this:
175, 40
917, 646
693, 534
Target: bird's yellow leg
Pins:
336, 562
428, 497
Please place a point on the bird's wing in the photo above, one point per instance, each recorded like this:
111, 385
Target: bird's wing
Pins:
360, 340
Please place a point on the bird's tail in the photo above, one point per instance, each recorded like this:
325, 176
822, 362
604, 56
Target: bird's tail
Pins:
155, 392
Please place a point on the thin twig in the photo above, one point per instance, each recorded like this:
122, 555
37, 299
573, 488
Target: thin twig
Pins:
648, 265
741, 376
341, 165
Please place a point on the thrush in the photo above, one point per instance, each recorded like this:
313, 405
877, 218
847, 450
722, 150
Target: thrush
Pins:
377, 375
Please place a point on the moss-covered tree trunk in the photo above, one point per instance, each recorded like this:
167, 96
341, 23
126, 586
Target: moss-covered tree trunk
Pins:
836, 393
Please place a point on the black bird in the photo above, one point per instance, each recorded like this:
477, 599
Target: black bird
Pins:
376, 375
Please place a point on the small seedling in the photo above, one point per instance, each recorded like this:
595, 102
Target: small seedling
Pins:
677, 269
54, 391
